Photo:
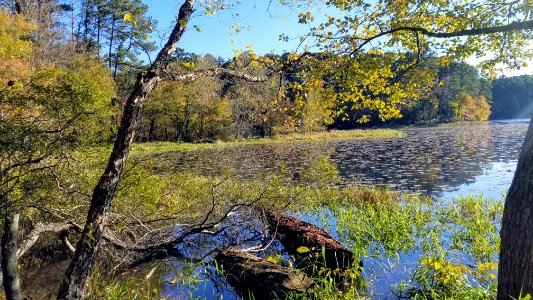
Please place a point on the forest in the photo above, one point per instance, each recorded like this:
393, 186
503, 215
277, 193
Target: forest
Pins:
131, 168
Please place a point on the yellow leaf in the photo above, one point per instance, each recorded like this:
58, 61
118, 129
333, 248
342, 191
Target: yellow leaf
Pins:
492, 276
303, 249
128, 17
272, 259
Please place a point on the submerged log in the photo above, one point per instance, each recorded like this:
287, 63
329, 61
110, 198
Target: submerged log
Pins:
312, 247
265, 280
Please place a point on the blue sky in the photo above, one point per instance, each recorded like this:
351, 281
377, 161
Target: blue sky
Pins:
264, 24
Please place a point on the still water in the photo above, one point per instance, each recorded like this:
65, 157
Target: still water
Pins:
437, 162
440, 162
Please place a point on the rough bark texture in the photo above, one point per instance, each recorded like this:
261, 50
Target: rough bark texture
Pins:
9, 247
294, 233
39, 229
73, 284
248, 273
515, 272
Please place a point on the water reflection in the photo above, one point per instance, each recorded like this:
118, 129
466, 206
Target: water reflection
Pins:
438, 162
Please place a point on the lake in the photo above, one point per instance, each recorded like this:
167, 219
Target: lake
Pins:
441, 162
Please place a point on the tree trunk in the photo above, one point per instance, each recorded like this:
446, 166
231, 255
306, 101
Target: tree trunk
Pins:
98, 30
201, 133
323, 251
185, 135
151, 130
257, 278
74, 283
9, 264
515, 272
110, 53
86, 26
178, 128
115, 67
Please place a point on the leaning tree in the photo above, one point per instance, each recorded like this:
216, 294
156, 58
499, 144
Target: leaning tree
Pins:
74, 283
363, 32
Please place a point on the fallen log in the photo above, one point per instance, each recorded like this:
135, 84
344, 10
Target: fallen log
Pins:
313, 248
257, 278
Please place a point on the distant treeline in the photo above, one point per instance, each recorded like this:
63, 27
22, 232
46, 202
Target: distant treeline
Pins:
512, 97
460, 94
224, 107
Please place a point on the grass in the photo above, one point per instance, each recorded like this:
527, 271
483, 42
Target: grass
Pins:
457, 242
323, 136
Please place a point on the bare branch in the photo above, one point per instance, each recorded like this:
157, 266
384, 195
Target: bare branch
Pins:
213, 72
39, 229
514, 26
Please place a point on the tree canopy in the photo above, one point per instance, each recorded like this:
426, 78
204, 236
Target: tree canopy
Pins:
372, 60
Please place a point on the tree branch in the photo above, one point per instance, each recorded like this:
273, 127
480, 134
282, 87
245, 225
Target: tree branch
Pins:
514, 26
41, 228
213, 72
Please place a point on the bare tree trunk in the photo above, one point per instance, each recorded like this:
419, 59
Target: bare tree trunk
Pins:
201, 133
177, 138
185, 135
86, 27
98, 30
111, 44
152, 130
9, 254
115, 67
74, 283
72, 14
515, 272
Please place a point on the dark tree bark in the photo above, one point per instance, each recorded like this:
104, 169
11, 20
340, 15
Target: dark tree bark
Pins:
516, 250
73, 284
151, 130
184, 132
323, 250
110, 61
248, 273
10, 257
